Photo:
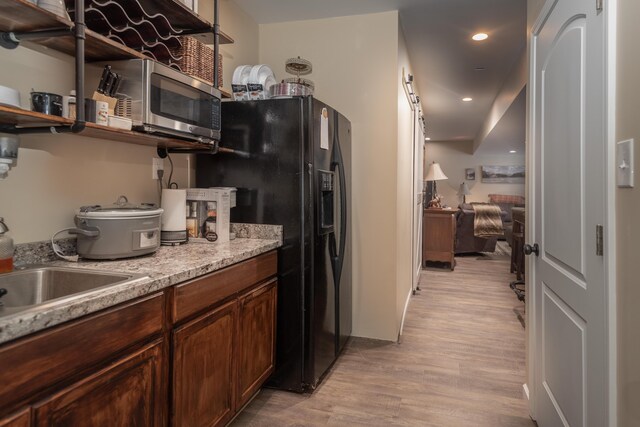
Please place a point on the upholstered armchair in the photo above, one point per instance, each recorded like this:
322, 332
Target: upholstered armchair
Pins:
506, 203
466, 242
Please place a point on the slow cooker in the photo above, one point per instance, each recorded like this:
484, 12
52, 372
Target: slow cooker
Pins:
121, 230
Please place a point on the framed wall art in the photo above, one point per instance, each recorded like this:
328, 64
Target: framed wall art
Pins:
470, 174
503, 174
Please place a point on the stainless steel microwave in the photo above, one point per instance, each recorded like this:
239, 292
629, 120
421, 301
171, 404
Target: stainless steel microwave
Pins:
166, 101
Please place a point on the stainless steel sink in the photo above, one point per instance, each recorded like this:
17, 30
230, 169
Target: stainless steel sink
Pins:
35, 286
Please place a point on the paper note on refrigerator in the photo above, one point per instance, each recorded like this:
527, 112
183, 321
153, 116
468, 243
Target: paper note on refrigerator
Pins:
324, 129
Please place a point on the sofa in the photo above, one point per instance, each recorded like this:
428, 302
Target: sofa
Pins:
466, 242
506, 203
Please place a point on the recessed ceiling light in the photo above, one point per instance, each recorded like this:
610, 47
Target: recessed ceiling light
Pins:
427, 139
512, 151
467, 99
480, 36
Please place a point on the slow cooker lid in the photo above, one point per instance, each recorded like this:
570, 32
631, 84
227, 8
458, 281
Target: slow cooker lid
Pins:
121, 208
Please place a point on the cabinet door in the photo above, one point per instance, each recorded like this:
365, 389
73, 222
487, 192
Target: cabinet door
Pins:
203, 369
439, 236
39, 361
20, 419
129, 392
256, 340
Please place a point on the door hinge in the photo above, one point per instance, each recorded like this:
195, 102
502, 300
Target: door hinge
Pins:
599, 6
599, 240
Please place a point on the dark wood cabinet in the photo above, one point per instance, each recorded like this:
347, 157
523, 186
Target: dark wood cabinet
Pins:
196, 296
21, 418
256, 340
190, 355
223, 355
62, 355
129, 392
203, 368
439, 236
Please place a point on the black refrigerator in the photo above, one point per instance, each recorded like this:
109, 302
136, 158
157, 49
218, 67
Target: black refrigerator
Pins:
292, 166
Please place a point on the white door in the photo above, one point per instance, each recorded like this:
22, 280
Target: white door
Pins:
418, 184
568, 136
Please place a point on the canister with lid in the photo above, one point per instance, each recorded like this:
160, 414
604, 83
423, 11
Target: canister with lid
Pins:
69, 105
7, 249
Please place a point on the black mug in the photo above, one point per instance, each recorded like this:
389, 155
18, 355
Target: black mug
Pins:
90, 108
47, 103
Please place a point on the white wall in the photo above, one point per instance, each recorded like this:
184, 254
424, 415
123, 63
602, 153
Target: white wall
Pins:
57, 174
627, 207
355, 70
454, 157
404, 256
514, 83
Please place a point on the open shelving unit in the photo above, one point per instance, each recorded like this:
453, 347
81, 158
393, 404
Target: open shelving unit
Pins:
41, 27
26, 118
22, 16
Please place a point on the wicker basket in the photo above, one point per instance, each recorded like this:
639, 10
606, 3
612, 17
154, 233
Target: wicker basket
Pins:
196, 59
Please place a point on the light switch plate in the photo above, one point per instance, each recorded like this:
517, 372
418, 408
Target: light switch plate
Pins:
625, 164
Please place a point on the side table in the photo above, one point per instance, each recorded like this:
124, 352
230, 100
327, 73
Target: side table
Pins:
439, 236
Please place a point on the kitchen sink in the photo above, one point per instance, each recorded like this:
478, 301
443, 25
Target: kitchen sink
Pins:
39, 285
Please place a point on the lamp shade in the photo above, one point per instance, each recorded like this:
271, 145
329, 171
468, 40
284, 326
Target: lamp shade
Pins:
435, 173
464, 189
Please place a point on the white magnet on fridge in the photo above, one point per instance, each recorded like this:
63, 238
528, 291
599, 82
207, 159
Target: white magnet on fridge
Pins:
324, 129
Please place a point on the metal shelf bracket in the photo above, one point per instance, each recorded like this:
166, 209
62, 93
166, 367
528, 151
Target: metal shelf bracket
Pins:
11, 40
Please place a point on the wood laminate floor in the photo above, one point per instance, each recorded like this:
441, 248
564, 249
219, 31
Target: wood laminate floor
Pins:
461, 362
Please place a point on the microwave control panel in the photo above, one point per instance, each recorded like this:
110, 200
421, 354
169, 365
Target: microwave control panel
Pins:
216, 122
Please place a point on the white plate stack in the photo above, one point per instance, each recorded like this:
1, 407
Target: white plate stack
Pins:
9, 96
252, 82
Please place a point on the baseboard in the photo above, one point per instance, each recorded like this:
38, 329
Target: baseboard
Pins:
525, 391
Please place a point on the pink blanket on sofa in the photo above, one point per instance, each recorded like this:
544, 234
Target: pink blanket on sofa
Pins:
487, 221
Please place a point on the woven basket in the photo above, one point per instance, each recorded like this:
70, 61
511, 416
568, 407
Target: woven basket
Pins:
196, 59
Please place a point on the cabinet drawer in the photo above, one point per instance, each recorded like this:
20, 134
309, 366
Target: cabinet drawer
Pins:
20, 419
54, 355
199, 294
126, 393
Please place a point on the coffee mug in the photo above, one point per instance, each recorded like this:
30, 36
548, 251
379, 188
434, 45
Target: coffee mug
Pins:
90, 110
47, 103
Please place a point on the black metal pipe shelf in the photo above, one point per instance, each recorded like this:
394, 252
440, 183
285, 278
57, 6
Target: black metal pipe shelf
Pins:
21, 20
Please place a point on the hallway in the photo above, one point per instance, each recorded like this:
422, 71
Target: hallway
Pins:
461, 362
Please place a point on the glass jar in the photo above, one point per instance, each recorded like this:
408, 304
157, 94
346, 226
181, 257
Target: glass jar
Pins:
7, 249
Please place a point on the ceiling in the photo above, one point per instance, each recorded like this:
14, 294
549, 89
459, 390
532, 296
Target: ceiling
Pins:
443, 56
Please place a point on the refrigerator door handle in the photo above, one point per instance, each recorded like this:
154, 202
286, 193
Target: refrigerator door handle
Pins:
335, 259
337, 165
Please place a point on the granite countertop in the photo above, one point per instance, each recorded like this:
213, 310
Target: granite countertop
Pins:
168, 266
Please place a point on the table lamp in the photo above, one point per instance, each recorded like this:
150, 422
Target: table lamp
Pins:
464, 191
435, 174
